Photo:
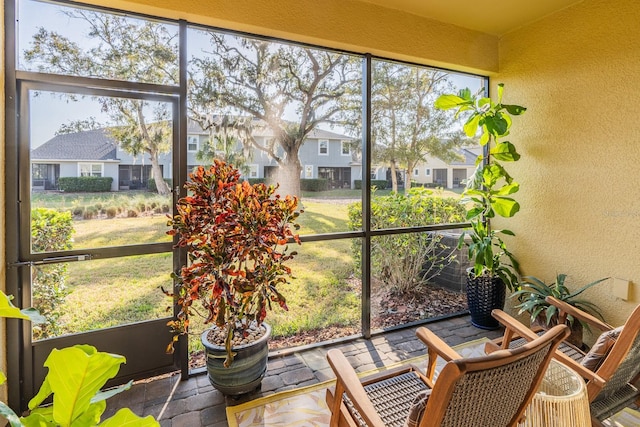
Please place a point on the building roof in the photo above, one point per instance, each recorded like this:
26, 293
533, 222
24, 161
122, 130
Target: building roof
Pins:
469, 154
259, 128
86, 145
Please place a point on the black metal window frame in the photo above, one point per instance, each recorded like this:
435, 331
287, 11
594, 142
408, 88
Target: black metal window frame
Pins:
17, 82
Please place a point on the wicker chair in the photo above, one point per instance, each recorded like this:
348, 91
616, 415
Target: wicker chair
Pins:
493, 390
612, 383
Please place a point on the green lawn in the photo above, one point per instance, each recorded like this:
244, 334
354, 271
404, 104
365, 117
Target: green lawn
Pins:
111, 292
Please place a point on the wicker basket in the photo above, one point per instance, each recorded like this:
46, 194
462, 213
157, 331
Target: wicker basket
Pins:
484, 293
560, 401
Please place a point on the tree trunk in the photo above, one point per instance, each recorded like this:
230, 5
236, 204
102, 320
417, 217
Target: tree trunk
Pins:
288, 176
394, 178
407, 182
156, 173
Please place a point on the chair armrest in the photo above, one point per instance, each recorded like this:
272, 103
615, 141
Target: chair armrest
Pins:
435, 347
512, 328
567, 309
512, 325
348, 382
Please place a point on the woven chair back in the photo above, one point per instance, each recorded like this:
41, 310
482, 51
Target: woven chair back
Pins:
493, 390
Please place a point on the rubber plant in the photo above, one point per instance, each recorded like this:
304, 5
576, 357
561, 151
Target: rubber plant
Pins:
76, 375
236, 236
489, 191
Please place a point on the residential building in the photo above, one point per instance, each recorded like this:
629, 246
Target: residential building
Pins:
324, 154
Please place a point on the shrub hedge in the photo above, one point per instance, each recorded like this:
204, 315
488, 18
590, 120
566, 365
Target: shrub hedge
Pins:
404, 262
51, 231
318, 184
380, 184
85, 184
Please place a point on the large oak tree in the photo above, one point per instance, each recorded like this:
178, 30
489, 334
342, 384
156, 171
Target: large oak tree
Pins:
118, 48
283, 90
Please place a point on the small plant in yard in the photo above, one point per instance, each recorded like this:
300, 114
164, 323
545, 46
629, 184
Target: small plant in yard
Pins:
236, 236
418, 257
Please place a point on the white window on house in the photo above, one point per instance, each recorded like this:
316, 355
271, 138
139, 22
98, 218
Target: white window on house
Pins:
345, 148
427, 172
323, 147
90, 169
308, 171
253, 171
192, 143
416, 172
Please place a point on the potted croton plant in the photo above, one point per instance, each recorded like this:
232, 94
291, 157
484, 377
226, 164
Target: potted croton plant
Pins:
236, 236
488, 193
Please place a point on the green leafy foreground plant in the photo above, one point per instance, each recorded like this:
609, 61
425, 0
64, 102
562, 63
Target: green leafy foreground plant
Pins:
489, 191
534, 291
76, 375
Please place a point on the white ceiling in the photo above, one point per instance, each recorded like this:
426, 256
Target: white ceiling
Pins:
495, 17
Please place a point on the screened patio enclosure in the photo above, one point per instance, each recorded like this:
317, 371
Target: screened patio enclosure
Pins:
106, 125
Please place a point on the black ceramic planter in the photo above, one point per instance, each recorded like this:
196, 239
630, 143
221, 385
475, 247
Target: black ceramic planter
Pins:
484, 293
247, 370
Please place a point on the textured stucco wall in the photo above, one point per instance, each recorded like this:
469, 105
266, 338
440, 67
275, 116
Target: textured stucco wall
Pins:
340, 24
578, 72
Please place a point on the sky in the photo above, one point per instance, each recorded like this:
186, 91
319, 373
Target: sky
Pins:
49, 112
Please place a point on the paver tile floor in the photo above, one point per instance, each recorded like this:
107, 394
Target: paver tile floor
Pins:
194, 402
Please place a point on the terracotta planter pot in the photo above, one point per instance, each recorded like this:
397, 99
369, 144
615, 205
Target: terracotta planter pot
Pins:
247, 370
576, 329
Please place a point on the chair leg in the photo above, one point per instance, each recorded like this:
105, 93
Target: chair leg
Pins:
343, 417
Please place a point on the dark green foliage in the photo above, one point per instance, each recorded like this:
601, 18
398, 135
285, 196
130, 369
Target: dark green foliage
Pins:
151, 184
254, 181
409, 260
489, 190
85, 184
50, 231
318, 184
534, 291
380, 184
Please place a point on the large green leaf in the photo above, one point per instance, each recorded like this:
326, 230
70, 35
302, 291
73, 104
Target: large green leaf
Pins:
515, 110
90, 417
125, 418
496, 125
7, 309
504, 206
471, 126
500, 92
44, 392
505, 151
446, 102
40, 417
75, 375
508, 189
